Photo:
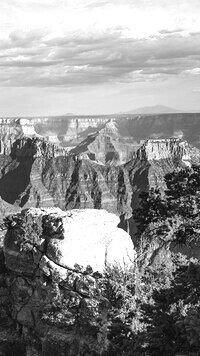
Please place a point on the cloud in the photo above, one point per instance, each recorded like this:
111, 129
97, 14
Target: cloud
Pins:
166, 31
33, 59
143, 3
194, 71
94, 42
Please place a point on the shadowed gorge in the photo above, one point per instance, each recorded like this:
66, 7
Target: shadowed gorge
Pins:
14, 184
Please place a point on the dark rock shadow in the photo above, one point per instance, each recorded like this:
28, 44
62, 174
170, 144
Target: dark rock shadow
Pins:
16, 180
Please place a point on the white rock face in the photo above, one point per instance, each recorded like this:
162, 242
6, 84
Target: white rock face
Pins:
91, 237
27, 127
173, 148
64, 239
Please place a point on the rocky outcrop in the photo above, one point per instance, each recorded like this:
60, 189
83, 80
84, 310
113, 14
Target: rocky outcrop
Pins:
51, 285
36, 147
86, 237
13, 129
10, 131
175, 149
106, 146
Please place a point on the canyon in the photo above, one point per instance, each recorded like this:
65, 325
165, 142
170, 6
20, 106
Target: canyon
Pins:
106, 170
68, 189
68, 131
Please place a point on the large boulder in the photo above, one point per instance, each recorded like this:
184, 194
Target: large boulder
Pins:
83, 237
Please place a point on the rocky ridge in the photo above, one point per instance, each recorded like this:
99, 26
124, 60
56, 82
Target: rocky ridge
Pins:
173, 148
68, 131
106, 146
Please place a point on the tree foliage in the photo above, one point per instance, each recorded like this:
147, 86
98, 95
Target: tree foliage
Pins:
177, 209
171, 310
174, 316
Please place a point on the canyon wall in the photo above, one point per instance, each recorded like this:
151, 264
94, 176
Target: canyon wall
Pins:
107, 170
37, 173
68, 131
161, 126
63, 131
174, 148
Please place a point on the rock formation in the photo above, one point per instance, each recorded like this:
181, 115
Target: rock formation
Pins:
87, 237
106, 146
174, 148
68, 131
37, 173
51, 254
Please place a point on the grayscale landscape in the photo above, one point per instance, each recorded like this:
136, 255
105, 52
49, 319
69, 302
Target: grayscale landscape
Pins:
99, 178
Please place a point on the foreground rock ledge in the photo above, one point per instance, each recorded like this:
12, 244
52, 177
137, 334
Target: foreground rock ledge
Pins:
52, 292
83, 237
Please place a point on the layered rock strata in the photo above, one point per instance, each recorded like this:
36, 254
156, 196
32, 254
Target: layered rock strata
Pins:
37, 173
68, 131
106, 146
174, 148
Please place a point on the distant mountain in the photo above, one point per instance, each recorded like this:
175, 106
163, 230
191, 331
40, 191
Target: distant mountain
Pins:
157, 109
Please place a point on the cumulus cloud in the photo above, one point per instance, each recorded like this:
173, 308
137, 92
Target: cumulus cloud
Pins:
33, 59
80, 42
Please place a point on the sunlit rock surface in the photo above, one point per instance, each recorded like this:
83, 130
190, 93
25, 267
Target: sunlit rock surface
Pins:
173, 148
84, 237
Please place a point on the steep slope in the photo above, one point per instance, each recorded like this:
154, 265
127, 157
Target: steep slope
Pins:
106, 146
37, 173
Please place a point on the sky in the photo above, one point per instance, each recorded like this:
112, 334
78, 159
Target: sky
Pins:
98, 57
